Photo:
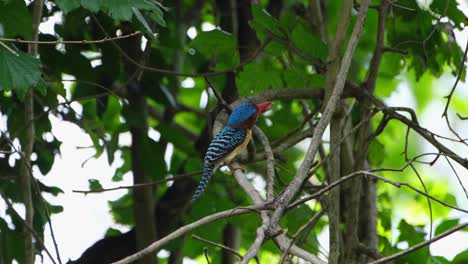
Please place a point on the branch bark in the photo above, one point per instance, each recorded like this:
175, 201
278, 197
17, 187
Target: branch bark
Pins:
420, 245
365, 227
187, 228
28, 142
302, 173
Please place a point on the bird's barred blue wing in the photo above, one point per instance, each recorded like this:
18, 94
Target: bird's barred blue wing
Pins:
224, 143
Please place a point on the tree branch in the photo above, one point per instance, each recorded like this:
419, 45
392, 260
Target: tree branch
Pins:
25, 177
218, 245
139, 185
270, 162
41, 42
420, 245
28, 227
187, 228
302, 173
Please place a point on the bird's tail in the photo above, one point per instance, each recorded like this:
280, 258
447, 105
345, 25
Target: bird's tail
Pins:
207, 172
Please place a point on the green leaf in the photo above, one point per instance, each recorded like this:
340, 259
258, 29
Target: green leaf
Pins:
143, 22
94, 185
311, 44
122, 9
152, 158
387, 78
111, 232
445, 225
453, 13
15, 20
410, 234
91, 5
122, 209
218, 45
68, 5
440, 260
41, 87
298, 77
111, 117
257, 77
461, 258
376, 153
158, 16
18, 73
263, 21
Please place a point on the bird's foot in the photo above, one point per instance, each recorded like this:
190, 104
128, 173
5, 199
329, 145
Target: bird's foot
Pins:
236, 166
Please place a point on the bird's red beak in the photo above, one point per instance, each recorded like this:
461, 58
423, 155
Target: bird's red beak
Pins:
263, 107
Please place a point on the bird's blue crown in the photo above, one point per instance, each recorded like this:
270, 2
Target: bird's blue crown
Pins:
242, 113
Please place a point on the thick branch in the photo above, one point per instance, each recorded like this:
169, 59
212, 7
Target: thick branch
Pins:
28, 143
420, 245
302, 173
187, 228
270, 162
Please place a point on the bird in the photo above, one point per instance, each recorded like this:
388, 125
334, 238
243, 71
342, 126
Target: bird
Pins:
230, 141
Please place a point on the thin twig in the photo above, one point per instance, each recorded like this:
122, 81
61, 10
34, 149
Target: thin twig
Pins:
373, 175
456, 175
174, 178
30, 228
170, 72
42, 42
431, 221
218, 96
306, 226
205, 250
9, 49
218, 245
420, 245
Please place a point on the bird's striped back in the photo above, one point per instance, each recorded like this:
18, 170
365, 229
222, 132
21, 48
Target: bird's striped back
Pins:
224, 143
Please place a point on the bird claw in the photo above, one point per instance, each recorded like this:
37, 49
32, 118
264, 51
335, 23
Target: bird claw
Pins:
236, 166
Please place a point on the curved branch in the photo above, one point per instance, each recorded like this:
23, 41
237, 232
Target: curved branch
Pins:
302, 173
420, 245
187, 228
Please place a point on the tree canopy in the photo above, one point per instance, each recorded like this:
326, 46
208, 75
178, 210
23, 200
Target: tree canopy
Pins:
330, 155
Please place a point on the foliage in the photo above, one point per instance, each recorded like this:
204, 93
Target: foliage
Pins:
289, 53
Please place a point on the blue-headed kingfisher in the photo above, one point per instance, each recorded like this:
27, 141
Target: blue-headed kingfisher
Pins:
231, 140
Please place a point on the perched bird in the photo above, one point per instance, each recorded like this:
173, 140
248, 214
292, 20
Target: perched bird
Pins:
230, 141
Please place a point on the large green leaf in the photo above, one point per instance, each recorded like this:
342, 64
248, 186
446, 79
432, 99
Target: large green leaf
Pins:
68, 5
91, 5
18, 73
15, 21
121, 210
453, 12
445, 225
263, 23
122, 9
256, 77
311, 44
298, 77
461, 258
218, 45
